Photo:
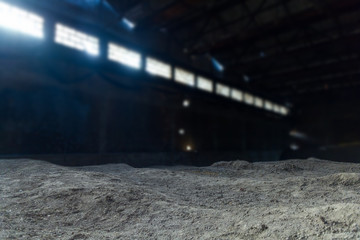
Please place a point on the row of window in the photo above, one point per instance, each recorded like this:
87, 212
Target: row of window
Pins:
31, 24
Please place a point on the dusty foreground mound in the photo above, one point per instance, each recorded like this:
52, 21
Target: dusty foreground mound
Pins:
297, 199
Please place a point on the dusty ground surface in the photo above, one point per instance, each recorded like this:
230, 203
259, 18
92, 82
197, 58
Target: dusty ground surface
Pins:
297, 199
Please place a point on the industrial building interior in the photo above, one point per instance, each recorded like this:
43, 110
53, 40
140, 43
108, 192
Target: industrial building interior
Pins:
179, 119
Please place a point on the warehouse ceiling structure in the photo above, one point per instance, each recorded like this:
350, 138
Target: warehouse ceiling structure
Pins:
284, 49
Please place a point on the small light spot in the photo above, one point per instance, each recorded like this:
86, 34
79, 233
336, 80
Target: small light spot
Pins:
188, 148
128, 24
294, 147
246, 78
182, 131
186, 103
218, 66
296, 134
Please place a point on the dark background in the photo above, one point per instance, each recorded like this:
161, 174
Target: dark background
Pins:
62, 105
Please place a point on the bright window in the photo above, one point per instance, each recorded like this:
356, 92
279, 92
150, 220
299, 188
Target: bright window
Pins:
124, 56
237, 95
184, 77
276, 108
77, 40
19, 20
222, 90
269, 105
205, 84
249, 99
284, 110
158, 68
259, 102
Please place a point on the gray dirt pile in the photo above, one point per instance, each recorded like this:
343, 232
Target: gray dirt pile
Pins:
295, 199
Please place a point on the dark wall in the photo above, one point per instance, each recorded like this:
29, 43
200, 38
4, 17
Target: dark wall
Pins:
330, 122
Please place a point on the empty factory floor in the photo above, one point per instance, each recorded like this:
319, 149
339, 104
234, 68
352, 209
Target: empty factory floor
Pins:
295, 199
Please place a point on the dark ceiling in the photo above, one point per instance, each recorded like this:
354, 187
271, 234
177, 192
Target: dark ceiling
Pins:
288, 48
294, 51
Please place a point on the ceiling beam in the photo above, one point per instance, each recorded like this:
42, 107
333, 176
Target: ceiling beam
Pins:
306, 17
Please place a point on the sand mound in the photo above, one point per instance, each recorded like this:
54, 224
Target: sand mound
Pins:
287, 167
45, 201
236, 165
343, 179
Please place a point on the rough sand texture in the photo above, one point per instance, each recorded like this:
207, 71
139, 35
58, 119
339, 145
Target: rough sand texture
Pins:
297, 199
